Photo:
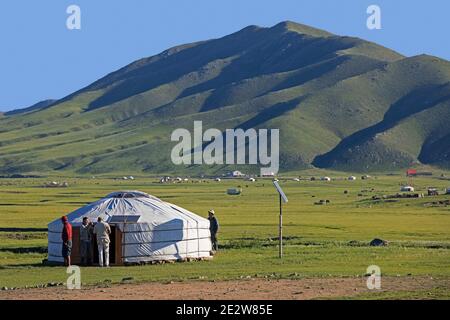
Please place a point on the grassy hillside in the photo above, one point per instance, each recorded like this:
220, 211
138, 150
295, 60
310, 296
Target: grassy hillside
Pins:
339, 102
415, 110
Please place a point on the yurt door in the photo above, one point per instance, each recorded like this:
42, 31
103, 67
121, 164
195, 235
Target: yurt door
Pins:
76, 256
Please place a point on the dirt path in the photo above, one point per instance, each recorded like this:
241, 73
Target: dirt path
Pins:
252, 289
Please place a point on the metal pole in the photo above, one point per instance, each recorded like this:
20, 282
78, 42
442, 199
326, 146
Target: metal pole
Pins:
281, 231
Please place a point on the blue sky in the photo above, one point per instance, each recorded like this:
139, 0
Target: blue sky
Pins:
40, 58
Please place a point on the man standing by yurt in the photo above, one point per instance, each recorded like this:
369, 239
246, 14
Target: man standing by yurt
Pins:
86, 230
214, 229
66, 236
102, 230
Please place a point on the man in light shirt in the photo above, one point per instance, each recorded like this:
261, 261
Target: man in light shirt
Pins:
102, 230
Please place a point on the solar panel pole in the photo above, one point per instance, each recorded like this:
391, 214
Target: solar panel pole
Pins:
281, 230
280, 227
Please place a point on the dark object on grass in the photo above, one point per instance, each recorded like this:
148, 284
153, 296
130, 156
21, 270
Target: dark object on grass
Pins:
322, 202
128, 279
378, 243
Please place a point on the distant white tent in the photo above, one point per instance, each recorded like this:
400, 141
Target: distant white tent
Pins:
407, 189
236, 174
144, 229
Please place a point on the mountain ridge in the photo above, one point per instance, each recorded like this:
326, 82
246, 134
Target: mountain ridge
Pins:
320, 89
35, 107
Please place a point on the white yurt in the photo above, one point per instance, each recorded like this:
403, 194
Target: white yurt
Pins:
407, 189
143, 229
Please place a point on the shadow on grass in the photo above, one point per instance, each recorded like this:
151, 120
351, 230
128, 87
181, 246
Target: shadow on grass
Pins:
23, 229
248, 243
25, 265
25, 250
245, 243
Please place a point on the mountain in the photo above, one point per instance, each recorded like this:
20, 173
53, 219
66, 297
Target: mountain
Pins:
340, 102
3, 112
38, 106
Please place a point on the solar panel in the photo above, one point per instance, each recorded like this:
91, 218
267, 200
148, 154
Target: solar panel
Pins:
280, 191
124, 219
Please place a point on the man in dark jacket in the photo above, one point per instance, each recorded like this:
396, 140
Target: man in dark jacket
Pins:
86, 232
214, 229
66, 237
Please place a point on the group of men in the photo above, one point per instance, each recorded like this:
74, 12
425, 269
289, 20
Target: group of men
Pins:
88, 230
102, 231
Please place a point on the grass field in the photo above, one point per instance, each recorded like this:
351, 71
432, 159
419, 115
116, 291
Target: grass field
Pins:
321, 240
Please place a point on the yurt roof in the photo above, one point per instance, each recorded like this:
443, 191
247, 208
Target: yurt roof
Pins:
144, 207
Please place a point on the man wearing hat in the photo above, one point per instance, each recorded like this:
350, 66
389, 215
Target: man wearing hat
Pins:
66, 236
214, 229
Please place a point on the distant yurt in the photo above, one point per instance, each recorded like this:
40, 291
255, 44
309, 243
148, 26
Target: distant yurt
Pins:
352, 178
325, 179
407, 189
143, 229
